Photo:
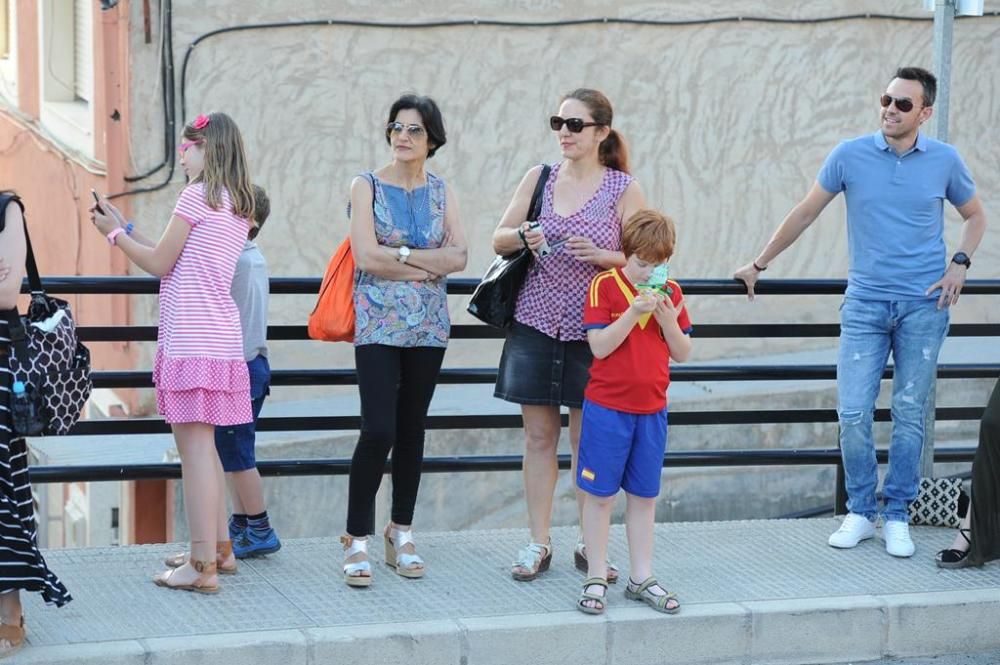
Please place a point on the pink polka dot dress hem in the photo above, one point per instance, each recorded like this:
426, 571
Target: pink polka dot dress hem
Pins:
202, 390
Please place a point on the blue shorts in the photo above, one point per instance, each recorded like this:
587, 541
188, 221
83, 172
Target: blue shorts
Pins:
621, 450
236, 442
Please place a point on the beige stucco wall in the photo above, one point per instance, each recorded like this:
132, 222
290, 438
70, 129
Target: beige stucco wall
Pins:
727, 123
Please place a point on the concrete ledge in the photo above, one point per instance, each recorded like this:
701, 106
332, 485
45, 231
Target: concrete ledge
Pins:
125, 652
814, 630
716, 633
798, 631
943, 622
403, 643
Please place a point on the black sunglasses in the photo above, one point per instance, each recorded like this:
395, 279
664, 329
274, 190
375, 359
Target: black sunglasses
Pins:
902, 103
574, 125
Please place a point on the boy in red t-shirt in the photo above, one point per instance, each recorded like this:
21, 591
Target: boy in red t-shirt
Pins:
633, 335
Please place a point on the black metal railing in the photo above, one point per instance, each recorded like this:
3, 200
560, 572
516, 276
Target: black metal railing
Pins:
470, 463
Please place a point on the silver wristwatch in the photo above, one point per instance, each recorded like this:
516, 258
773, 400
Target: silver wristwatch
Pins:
403, 254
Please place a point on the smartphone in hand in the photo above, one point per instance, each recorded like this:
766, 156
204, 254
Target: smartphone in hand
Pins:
97, 200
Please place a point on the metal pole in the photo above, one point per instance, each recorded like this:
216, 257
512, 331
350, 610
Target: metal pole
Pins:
944, 21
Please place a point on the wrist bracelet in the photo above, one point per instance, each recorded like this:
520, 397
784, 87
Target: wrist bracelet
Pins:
129, 228
524, 240
758, 268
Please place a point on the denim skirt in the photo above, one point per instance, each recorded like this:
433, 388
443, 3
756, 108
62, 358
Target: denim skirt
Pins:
537, 369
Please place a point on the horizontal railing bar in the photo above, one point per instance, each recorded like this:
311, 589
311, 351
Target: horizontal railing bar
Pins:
478, 463
466, 331
481, 375
466, 285
125, 426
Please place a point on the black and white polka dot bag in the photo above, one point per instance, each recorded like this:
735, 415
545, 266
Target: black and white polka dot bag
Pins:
51, 368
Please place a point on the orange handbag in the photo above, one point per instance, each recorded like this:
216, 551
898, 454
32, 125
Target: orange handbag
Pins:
332, 320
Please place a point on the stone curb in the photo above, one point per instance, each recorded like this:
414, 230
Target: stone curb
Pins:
773, 632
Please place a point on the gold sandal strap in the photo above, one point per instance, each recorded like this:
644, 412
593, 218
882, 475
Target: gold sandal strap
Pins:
205, 567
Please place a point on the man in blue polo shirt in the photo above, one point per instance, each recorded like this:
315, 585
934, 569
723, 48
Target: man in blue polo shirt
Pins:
900, 285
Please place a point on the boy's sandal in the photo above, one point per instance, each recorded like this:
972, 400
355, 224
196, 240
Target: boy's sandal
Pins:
405, 565
223, 549
535, 558
580, 560
200, 585
359, 573
956, 558
12, 638
657, 602
599, 600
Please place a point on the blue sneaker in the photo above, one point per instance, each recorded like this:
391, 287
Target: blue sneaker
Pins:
251, 545
235, 530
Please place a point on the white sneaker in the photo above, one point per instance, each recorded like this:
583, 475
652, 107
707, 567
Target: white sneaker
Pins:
852, 531
897, 538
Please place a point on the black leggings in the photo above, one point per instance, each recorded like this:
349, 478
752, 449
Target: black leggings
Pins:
396, 386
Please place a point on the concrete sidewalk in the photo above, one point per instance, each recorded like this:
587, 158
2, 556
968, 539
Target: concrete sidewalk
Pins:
752, 592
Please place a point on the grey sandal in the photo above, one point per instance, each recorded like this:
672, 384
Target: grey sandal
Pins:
659, 603
588, 596
535, 558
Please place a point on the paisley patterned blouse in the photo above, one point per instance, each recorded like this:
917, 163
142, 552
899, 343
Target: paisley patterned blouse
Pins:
398, 313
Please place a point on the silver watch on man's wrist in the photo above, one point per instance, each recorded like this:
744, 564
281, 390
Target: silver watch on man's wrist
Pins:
403, 253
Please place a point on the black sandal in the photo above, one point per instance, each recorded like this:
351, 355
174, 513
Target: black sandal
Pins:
952, 558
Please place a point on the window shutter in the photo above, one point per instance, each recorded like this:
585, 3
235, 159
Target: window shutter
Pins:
83, 49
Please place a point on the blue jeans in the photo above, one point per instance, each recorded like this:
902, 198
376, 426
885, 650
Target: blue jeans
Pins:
913, 331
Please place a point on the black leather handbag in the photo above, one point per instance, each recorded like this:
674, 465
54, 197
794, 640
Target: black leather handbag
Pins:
51, 367
494, 299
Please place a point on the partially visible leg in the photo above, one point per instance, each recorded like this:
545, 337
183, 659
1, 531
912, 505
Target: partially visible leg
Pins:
575, 418
640, 515
596, 524
11, 630
961, 543
233, 484
378, 379
419, 371
541, 470
916, 340
248, 493
203, 493
10, 607
861, 360
985, 505
541, 467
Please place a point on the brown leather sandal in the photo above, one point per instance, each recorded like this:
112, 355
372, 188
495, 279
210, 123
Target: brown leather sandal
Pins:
223, 550
12, 635
205, 570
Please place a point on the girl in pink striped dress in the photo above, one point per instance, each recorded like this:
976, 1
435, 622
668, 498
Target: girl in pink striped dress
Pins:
200, 375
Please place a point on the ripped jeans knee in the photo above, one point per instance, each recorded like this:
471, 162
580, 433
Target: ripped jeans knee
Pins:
848, 417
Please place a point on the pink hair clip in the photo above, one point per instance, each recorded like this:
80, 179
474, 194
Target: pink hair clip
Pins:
201, 122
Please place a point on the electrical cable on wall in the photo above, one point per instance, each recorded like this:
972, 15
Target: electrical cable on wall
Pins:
166, 71
460, 23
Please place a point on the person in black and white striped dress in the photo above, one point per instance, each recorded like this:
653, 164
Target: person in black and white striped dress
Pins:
21, 564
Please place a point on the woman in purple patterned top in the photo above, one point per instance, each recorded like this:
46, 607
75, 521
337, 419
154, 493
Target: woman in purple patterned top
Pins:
546, 361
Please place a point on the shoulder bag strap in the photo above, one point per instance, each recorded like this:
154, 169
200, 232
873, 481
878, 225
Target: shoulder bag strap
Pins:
535, 207
18, 337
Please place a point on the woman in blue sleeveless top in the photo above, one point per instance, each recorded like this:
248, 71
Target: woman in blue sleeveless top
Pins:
406, 238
